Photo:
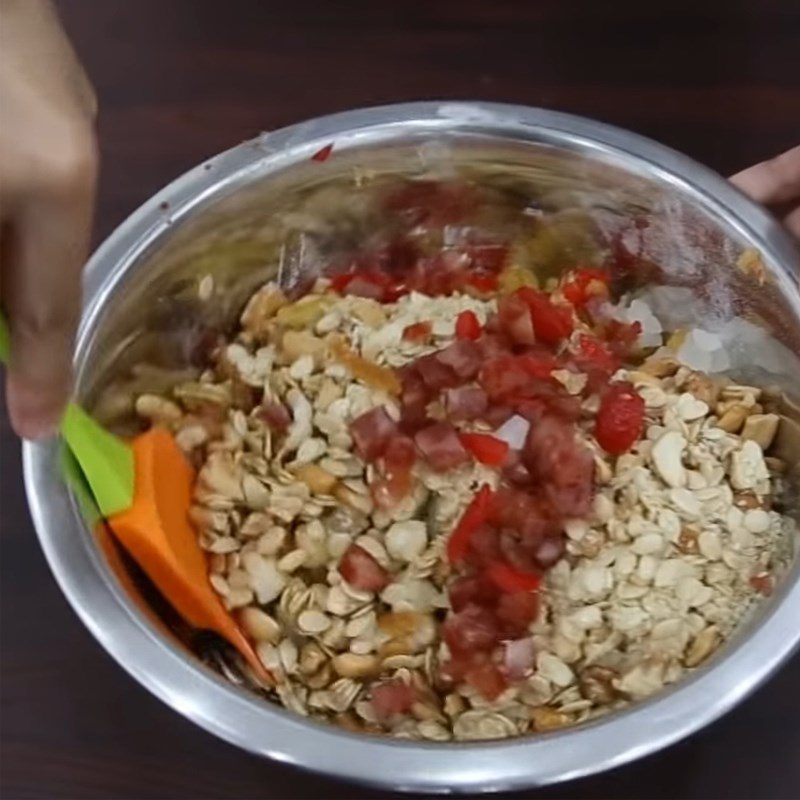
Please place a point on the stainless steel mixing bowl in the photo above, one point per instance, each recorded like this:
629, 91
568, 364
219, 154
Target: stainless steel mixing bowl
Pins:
232, 217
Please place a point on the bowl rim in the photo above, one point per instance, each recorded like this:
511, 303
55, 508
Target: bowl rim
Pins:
266, 729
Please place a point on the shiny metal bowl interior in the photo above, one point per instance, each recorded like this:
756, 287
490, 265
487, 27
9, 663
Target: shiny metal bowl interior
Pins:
242, 216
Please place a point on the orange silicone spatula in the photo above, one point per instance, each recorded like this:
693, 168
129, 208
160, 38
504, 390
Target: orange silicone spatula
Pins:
144, 490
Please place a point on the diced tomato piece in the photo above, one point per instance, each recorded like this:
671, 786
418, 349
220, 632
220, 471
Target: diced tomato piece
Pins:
474, 589
435, 374
763, 583
414, 398
484, 546
515, 612
399, 456
551, 323
362, 571
509, 507
487, 449
537, 365
564, 466
585, 283
475, 515
514, 471
487, 258
511, 580
496, 415
486, 679
339, 281
516, 320
418, 332
324, 153
391, 698
468, 326
395, 482
372, 432
595, 355
493, 343
517, 547
463, 357
620, 418
484, 284
369, 283
465, 402
520, 376
472, 628
621, 336
546, 398
441, 447
388, 490
511, 376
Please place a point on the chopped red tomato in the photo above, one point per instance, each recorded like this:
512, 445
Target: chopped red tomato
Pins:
372, 431
472, 628
486, 258
516, 377
441, 447
564, 467
391, 698
515, 319
414, 401
474, 589
484, 284
465, 402
585, 283
400, 455
763, 583
372, 284
621, 336
511, 580
388, 490
468, 326
487, 449
595, 355
551, 323
395, 480
515, 612
463, 357
361, 570
476, 514
486, 679
324, 153
620, 418
339, 281
435, 374
418, 332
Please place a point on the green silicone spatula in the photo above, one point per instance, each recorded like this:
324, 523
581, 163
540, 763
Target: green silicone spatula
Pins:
144, 491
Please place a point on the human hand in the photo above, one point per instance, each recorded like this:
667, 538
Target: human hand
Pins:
48, 166
776, 183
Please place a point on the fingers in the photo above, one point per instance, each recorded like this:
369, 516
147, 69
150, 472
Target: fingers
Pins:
792, 222
774, 181
48, 236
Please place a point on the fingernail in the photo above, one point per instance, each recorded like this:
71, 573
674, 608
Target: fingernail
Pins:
35, 428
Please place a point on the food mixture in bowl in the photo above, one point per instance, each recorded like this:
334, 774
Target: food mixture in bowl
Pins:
452, 497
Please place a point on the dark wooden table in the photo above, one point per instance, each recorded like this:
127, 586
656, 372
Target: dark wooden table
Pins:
179, 80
